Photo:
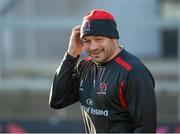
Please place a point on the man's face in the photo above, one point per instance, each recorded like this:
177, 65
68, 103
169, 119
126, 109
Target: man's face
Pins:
99, 48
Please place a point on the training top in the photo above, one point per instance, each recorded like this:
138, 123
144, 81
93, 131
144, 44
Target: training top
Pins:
115, 97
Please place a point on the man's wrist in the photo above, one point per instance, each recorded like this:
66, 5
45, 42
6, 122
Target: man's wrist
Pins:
73, 54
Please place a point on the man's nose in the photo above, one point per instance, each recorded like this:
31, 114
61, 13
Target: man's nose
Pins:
93, 45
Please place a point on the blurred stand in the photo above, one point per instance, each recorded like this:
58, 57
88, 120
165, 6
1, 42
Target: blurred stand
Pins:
34, 36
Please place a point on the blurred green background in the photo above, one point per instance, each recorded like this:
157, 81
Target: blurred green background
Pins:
34, 36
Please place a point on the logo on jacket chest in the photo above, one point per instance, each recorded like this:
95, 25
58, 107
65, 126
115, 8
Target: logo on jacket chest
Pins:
102, 90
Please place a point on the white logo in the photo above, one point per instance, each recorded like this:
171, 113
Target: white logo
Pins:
95, 111
80, 86
90, 102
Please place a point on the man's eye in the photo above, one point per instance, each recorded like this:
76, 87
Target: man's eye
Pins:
86, 41
98, 39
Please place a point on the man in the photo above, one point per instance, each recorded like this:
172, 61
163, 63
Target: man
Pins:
114, 88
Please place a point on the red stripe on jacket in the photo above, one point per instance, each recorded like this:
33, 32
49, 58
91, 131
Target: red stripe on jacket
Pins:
87, 58
121, 97
123, 63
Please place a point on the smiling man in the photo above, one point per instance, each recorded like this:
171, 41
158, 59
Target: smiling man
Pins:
115, 89
101, 49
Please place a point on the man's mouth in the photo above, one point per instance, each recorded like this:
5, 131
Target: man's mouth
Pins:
95, 54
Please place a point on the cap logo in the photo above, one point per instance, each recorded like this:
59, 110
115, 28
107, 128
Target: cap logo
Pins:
86, 26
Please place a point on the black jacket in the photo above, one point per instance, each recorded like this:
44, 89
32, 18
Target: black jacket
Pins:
117, 96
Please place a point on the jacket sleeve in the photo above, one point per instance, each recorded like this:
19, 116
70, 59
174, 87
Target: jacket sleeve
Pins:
64, 89
141, 100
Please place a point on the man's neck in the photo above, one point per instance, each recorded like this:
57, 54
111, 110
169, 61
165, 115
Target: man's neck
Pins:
116, 52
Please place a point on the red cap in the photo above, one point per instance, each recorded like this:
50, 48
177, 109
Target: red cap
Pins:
99, 14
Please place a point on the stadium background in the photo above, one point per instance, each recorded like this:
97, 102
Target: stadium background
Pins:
34, 35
